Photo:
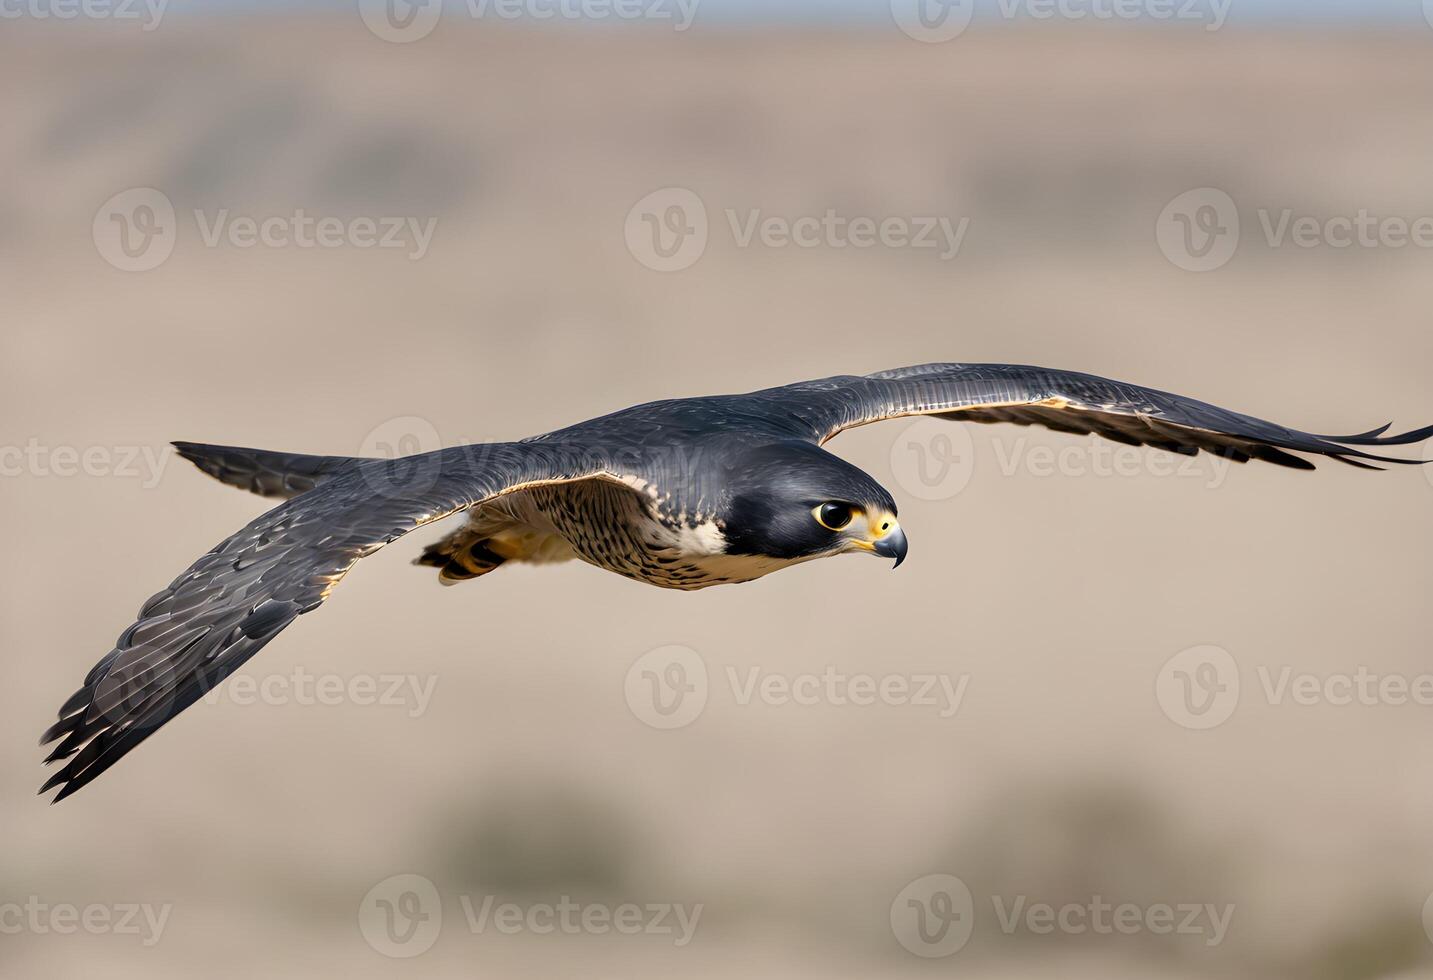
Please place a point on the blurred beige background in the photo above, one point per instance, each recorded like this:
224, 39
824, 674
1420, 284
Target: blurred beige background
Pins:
261, 823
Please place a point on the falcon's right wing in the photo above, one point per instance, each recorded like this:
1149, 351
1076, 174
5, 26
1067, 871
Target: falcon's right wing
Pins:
1068, 401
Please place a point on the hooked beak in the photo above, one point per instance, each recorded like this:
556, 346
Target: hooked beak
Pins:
892, 545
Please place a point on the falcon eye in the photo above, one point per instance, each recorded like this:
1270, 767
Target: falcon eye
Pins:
833, 516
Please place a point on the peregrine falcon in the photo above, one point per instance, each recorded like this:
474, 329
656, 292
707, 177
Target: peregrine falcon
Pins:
683, 494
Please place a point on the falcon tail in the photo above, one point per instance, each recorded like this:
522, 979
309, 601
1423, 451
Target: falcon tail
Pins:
268, 474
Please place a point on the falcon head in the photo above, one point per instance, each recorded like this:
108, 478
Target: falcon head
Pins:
794, 501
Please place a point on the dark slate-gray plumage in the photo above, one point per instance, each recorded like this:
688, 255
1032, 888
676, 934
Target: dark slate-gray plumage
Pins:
681, 459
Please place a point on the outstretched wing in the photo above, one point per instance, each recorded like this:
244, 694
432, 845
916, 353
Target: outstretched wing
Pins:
1067, 401
266, 473
229, 603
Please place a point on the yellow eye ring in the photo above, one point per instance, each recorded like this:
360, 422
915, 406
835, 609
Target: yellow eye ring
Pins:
832, 515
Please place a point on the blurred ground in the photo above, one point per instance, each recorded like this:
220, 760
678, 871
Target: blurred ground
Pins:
528, 776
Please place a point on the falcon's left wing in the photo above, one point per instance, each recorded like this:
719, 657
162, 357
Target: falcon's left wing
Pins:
1067, 401
228, 604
